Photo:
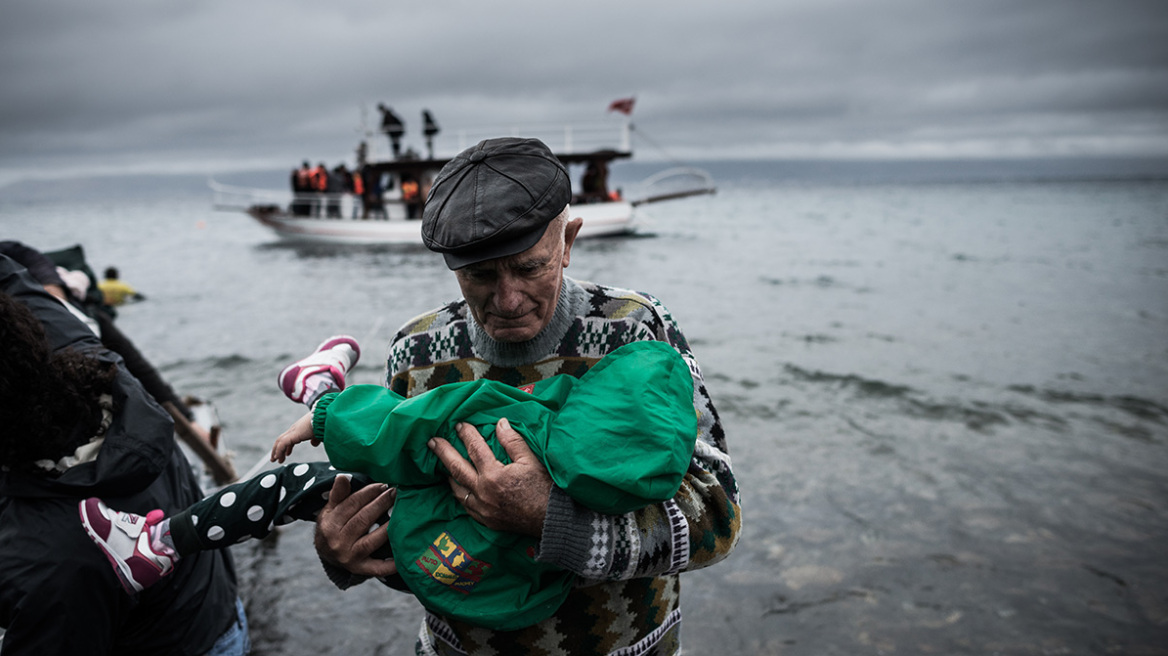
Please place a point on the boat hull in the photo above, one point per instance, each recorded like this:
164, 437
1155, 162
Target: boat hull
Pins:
600, 220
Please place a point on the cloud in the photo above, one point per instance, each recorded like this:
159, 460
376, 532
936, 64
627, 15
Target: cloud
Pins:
132, 81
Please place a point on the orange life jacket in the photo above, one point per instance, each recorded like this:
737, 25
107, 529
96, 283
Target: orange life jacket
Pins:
409, 191
319, 179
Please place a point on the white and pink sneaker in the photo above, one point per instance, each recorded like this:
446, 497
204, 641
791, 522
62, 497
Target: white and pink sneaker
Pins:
305, 380
128, 541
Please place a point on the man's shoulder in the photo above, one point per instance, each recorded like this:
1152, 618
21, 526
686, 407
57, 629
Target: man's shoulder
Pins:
616, 302
441, 333
439, 318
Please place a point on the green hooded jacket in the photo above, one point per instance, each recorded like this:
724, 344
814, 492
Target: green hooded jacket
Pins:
617, 439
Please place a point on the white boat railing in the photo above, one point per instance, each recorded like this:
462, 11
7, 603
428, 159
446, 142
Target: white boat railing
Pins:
232, 198
571, 138
677, 182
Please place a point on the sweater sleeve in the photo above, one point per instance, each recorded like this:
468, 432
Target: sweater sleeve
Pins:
697, 528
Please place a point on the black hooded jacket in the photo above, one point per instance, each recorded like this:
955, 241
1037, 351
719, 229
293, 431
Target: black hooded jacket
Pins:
58, 593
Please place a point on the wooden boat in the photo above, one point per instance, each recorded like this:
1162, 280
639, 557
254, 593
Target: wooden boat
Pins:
210, 461
394, 215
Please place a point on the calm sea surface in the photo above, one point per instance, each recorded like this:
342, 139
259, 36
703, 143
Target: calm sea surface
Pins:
945, 389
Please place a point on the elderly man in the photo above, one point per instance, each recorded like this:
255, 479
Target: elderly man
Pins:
499, 215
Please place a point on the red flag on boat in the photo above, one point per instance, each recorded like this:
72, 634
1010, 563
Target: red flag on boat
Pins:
624, 106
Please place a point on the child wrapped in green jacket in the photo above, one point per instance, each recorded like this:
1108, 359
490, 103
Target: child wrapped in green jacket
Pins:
618, 438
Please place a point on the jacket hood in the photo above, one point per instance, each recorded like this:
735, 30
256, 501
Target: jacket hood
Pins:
127, 463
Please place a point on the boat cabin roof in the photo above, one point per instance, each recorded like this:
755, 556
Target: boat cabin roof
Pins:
422, 165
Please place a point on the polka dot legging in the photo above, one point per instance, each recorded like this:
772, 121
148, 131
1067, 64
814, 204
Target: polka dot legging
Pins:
252, 508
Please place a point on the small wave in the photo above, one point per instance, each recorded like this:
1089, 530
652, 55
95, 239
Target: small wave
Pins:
228, 361
207, 364
1132, 405
979, 416
976, 415
864, 386
1125, 415
818, 339
823, 282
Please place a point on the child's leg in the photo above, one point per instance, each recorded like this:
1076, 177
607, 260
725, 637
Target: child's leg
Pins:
251, 509
144, 549
305, 380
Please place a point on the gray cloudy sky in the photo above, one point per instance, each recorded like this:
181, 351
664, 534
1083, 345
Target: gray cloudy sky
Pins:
209, 85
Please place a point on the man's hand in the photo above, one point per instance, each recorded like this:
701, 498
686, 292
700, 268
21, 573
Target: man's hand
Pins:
342, 528
511, 497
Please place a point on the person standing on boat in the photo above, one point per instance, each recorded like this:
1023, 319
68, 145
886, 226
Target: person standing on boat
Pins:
372, 204
499, 214
393, 128
77, 424
301, 190
338, 183
594, 182
318, 181
357, 188
411, 195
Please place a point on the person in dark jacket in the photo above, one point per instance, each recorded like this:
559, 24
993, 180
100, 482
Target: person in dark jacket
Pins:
77, 424
88, 307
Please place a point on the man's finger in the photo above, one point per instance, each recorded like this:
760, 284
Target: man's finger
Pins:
340, 492
365, 564
344, 512
476, 447
460, 468
513, 443
380, 501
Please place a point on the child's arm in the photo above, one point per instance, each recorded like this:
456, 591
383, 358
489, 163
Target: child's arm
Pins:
301, 431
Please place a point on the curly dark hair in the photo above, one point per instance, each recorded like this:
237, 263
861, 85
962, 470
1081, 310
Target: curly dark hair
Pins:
48, 401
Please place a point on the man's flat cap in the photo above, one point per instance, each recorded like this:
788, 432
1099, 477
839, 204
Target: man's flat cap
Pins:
493, 200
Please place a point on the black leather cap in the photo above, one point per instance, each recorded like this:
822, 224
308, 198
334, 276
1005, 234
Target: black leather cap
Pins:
493, 200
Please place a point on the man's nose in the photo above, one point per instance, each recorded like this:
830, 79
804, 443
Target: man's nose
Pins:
508, 294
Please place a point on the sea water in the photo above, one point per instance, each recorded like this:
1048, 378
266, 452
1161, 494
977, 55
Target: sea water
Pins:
944, 388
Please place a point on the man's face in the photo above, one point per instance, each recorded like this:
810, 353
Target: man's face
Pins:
514, 297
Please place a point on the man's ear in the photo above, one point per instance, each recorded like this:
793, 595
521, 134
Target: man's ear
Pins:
570, 232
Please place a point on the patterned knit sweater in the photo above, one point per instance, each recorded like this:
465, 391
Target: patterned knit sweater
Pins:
629, 604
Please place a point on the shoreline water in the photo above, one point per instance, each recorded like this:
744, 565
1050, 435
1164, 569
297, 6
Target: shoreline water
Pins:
945, 399
45, 184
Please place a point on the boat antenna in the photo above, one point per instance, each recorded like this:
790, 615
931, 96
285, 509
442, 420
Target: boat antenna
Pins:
671, 158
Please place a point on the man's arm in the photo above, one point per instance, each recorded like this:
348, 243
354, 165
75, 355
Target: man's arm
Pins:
695, 529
